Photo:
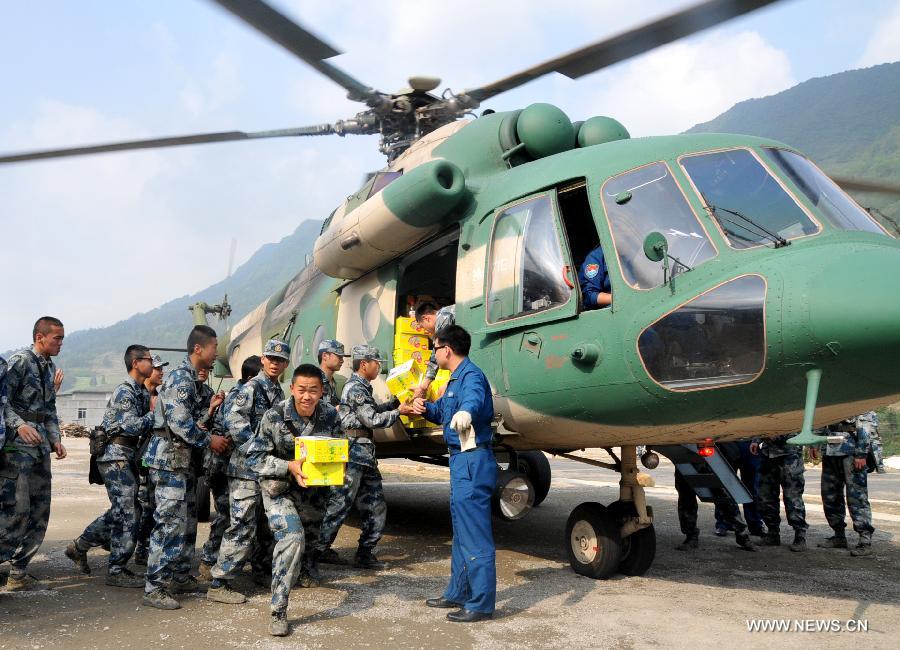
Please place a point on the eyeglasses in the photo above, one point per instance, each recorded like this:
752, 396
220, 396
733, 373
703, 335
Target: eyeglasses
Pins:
440, 347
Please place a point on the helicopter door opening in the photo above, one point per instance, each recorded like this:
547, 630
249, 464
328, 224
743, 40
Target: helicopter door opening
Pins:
580, 229
427, 275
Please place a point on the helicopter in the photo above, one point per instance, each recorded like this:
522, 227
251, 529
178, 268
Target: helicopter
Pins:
730, 258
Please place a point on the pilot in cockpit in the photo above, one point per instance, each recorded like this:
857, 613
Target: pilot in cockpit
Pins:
593, 277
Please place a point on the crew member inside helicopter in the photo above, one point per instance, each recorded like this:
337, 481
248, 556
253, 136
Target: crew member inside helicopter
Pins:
593, 277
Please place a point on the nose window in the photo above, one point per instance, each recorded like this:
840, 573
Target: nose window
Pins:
716, 339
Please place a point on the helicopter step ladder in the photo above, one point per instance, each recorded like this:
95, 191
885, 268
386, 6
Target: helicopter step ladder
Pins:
711, 477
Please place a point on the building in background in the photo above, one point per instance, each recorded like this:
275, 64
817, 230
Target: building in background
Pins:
84, 406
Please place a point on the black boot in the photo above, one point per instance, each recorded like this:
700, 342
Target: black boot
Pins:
365, 559
799, 543
691, 542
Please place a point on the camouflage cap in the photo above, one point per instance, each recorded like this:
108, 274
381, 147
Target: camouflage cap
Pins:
158, 362
366, 353
278, 349
334, 346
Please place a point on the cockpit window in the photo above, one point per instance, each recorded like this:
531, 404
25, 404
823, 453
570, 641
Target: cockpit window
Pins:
749, 204
526, 266
382, 180
716, 339
645, 200
838, 209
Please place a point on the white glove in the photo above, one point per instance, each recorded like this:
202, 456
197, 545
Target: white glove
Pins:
461, 422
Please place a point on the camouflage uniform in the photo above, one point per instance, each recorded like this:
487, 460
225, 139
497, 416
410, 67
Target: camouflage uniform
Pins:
127, 416
359, 414
250, 404
25, 478
176, 433
3, 400
293, 512
870, 420
839, 474
444, 317
214, 466
781, 468
146, 504
331, 394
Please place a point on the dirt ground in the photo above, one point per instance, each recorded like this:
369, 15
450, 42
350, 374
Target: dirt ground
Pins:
686, 599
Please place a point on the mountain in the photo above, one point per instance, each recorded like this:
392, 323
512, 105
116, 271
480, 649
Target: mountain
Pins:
89, 353
848, 123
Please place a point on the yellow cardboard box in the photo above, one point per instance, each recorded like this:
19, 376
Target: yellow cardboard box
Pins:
319, 474
406, 376
411, 342
323, 459
402, 356
416, 422
437, 387
407, 325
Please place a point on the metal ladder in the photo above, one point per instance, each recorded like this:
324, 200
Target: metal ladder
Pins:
711, 477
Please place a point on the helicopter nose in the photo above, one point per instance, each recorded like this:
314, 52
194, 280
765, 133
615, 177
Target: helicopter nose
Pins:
854, 308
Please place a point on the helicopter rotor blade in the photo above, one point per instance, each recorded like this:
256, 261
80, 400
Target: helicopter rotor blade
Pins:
860, 185
625, 45
176, 141
301, 43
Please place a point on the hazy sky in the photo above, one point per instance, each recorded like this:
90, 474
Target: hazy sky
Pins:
93, 240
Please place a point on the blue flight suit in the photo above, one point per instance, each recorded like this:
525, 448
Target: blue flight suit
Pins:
593, 277
473, 478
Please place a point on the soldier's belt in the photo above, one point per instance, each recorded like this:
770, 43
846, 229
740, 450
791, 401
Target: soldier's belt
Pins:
31, 416
359, 433
125, 441
165, 434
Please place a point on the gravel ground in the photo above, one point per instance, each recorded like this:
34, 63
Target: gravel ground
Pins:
705, 597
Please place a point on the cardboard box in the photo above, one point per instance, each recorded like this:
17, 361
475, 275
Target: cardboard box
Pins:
406, 376
415, 422
402, 356
320, 474
323, 458
408, 326
411, 342
437, 387
322, 449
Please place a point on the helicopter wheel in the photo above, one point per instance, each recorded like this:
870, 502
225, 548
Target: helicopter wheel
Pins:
593, 542
513, 496
639, 548
536, 467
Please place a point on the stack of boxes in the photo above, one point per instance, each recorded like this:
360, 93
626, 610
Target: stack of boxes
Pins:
412, 349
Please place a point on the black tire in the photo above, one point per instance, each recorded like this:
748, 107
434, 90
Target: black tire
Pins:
592, 541
203, 499
535, 465
639, 548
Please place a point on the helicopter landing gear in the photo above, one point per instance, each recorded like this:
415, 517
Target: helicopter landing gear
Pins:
618, 538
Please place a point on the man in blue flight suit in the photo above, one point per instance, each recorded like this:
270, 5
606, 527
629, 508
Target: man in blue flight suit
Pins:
466, 411
593, 277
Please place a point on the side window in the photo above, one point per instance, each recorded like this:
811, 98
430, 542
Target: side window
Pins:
527, 263
382, 180
716, 339
645, 200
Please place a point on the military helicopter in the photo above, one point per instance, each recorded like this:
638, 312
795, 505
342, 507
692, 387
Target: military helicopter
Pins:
730, 258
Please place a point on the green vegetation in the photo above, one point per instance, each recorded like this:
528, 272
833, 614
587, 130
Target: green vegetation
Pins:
848, 123
889, 428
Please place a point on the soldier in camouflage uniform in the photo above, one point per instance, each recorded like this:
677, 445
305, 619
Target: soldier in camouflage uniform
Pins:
206, 463
781, 469
169, 456
432, 320
146, 505
4, 575
870, 420
360, 414
844, 468
331, 359
255, 397
32, 431
128, 417
293, 512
